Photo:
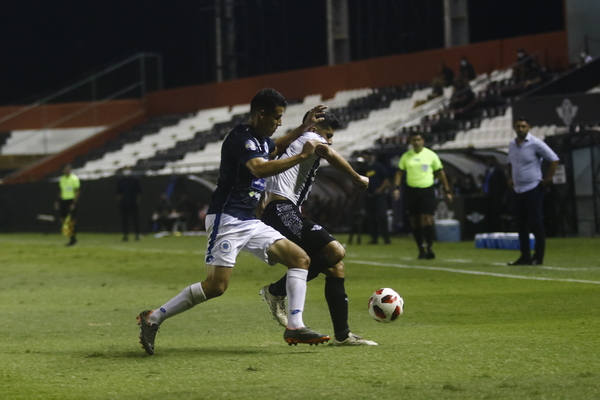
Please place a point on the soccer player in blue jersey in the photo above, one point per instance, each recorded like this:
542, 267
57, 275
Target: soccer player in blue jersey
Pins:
231, 223
285, 194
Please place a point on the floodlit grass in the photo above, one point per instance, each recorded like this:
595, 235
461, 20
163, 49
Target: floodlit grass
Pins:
473, 327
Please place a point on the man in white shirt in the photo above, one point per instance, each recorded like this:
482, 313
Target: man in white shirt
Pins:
525, 156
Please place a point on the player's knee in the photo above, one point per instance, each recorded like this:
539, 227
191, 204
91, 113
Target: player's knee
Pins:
213, 289
337, 271
335, 253
302, 261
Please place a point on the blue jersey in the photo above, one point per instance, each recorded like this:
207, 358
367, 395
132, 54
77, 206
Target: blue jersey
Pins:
238, 191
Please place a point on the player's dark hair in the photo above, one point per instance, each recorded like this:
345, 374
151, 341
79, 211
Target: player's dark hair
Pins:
267, 99
522, 119
329, 120
415, 133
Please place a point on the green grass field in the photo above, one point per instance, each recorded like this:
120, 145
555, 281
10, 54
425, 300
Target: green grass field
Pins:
473, 327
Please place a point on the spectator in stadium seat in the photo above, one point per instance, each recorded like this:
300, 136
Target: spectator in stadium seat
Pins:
421, 166
462, 96
66, 204
446, 74
466, 70
525, 155
247, 159
129, 192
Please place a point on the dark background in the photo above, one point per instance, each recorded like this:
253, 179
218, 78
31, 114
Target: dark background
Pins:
48, 44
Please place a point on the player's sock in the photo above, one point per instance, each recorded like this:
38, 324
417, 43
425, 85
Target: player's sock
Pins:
337, 300
279, 288
418, 235
428, 233
296, 290
188, 298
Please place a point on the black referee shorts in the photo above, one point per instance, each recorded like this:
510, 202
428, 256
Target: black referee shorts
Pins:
420, 200
65, 209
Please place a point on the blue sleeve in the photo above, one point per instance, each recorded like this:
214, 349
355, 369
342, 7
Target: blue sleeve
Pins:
245, 147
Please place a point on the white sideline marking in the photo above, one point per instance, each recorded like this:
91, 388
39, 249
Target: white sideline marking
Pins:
462, 271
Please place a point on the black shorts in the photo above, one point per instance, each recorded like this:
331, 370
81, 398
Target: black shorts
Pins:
420, 200
65, 209
286, 217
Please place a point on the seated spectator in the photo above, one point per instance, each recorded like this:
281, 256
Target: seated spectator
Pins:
446, 74
437, 90
466, 70
462, 96
160, 217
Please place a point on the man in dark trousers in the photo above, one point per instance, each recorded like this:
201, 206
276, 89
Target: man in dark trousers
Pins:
129, 192
494, 189
376, 201
525, 156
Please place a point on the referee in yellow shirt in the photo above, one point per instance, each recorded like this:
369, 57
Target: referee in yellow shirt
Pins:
421, 166
66, 204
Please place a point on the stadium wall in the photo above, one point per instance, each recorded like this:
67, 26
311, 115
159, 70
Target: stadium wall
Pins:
379, 72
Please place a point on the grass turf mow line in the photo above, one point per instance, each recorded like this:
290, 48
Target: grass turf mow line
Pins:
462, 271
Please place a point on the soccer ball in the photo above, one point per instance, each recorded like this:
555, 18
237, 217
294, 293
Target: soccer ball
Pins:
385, 305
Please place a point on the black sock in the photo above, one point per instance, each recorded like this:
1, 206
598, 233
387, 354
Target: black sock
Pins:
428, 231
335, 294
278, 288
418, 234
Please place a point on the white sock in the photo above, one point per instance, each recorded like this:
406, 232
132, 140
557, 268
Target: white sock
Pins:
296, 292
188, 298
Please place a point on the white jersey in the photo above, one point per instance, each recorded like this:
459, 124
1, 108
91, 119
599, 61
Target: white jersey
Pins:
295, 183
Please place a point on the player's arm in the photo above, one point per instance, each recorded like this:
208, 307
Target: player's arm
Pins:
547, 181
441, 175
397, 181
262, 168
260, 206
282, 143
510, 181
338, 162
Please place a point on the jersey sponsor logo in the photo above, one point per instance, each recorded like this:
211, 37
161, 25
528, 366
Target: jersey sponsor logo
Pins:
250, 145
225, 246
370, 173
258, 184
316, 228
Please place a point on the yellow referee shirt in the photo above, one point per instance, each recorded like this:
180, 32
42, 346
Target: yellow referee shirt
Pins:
419, 167
68, 186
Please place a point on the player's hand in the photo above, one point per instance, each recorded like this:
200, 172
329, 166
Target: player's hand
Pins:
314, 117
396, 194
449, 197
362, 182
546, 182
310, 146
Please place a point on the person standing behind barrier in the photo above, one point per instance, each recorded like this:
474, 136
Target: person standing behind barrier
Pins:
525, 156
66, 204
129, 191
376, 198
421, 166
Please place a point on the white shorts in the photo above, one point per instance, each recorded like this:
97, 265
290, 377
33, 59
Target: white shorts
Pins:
227, 236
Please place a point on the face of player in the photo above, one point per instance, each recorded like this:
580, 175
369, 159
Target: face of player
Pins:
521, 129
327, 133
417, 142
67, 170
267, 123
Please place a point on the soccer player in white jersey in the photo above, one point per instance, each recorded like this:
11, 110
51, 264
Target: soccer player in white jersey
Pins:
232, 226
285, 194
